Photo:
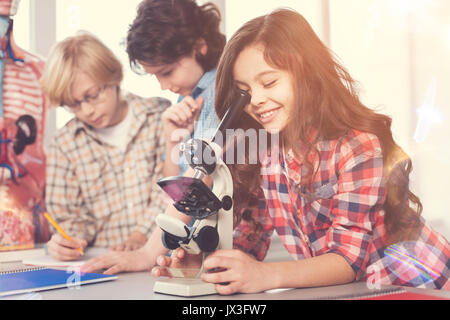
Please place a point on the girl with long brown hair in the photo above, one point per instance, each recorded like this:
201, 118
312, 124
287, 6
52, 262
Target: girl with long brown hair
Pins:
334, 186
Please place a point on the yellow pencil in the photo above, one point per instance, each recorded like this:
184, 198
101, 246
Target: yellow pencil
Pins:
57, 227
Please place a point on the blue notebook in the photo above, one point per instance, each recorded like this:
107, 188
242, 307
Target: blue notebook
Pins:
46, 279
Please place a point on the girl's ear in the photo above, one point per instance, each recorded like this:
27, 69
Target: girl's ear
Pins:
201, 47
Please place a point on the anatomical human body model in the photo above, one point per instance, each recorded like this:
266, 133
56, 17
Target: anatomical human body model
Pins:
22, 125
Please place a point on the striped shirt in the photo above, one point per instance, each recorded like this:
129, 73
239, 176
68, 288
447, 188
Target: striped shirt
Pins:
343, 215
97, 191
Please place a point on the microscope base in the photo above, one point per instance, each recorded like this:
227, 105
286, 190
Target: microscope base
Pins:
184, 287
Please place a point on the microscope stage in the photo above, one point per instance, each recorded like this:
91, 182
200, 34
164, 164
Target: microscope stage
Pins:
186, 287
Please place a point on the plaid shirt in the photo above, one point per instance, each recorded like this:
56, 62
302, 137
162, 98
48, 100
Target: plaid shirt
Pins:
99, 193
343, 215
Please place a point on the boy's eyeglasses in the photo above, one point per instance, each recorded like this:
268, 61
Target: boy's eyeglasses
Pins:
92, 98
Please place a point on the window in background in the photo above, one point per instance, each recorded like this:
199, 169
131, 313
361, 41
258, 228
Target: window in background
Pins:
110, 22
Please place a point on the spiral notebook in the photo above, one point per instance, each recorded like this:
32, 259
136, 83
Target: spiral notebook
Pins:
28, 279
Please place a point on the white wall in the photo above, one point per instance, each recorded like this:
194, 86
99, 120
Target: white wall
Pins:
237, 12
373, 45
21, 25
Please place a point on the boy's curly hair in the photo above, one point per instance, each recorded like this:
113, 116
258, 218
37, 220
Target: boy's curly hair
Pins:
166, 30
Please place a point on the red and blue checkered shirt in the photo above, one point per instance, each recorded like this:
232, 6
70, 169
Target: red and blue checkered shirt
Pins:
342, 215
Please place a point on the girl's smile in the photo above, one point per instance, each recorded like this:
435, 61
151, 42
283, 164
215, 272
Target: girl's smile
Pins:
271, 89
267, 116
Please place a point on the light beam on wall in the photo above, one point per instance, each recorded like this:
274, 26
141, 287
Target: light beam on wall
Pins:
428, 114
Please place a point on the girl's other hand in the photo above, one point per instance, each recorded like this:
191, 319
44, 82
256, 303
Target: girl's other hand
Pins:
179, 259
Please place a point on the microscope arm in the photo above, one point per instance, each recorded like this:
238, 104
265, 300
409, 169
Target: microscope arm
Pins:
212, 209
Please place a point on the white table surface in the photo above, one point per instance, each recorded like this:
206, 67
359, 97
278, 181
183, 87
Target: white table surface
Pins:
139, 286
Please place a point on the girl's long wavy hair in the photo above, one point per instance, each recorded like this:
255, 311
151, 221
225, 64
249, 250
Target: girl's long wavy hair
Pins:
325, 99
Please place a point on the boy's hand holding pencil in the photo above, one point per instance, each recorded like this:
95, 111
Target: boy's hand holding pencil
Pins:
63, 247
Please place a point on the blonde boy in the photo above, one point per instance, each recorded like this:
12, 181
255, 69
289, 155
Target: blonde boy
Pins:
103, 164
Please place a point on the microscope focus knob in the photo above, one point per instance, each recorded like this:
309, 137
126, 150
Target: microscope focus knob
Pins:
227, 203
207, 239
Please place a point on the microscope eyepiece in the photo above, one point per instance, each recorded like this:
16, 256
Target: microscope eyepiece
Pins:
234, 111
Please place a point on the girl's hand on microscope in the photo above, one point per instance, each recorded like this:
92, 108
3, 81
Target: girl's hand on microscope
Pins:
235, 271
179, 259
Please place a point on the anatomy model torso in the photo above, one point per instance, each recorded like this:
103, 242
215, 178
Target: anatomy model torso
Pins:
22, 159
